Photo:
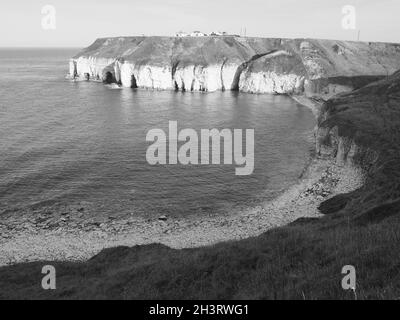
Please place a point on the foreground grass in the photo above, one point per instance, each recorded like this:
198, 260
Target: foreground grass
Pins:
300, 261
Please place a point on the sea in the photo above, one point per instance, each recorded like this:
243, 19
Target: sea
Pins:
71, 142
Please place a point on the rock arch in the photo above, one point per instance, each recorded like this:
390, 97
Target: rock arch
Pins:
108, 78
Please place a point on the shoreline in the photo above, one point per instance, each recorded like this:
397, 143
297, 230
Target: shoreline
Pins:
37, 238
322, 180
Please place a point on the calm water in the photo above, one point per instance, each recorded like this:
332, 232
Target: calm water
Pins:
66, 142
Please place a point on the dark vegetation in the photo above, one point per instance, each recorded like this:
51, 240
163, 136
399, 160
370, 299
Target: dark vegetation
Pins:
300, 261
369, 116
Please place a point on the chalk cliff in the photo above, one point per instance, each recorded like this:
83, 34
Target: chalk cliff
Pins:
256, 65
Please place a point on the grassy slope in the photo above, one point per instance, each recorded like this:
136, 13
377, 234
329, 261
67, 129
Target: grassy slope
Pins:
292, 262
303, 260
371, 117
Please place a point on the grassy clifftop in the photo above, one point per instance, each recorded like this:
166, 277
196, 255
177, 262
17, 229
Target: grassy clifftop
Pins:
299, 261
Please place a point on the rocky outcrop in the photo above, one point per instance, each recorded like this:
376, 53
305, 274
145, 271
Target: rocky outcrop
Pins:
280, 72
257, 65
362, 123
361, 129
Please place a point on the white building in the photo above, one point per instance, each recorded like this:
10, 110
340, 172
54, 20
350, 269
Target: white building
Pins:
198, 34
181, 34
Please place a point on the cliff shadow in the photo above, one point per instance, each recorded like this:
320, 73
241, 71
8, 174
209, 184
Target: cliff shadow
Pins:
109, 78
133, 82
244, 65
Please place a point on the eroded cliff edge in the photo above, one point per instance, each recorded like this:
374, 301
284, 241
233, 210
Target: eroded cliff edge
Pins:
256, 65
361, 128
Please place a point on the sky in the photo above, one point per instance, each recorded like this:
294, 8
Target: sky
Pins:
79, 22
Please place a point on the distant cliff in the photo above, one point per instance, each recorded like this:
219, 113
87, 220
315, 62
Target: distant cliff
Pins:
256, 65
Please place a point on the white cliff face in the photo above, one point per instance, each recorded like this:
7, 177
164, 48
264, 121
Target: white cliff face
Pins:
210, 78
126, 72
72, 68
188, 78
154, 77
232, 63
144, 76
117, 71
91, 67
228, 75
184, 78
198, 78
270, 82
